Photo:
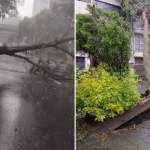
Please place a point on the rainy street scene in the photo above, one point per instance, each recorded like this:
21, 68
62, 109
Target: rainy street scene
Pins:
36, 75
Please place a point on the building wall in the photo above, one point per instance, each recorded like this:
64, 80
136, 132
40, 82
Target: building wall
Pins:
81, 7
8, 27
14, 21
39, 5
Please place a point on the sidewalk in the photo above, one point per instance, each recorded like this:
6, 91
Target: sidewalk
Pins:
137, 139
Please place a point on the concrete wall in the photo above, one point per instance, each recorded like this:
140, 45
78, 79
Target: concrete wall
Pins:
81, 7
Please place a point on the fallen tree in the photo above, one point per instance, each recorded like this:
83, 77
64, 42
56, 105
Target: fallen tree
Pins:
30, 29
12, 51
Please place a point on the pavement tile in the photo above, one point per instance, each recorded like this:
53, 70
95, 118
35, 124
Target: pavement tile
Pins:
147, 140
130, 140
130, 147
144, 146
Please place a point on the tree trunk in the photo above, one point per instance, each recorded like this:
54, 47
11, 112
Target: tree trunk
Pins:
91, 59
91, 63
146, 56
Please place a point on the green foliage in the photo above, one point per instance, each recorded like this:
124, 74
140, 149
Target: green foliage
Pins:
116, 50
87, 38
132, 9
106, 37
9, 7
47, 25
104, 96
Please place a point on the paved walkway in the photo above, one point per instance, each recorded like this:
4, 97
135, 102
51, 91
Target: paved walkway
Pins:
137, 139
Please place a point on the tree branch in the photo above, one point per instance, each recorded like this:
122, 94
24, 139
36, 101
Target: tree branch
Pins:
64, 50
12, 50
35, 64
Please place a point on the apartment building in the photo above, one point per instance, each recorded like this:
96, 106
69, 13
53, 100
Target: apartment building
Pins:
136, 41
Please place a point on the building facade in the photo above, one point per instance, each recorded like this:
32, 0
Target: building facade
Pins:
8, 28
39, 5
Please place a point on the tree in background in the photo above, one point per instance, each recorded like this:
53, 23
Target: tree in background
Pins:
9, 7
131, 10
45, 26
106, 38
39, 32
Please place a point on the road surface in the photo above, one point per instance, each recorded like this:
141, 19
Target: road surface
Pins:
35, 113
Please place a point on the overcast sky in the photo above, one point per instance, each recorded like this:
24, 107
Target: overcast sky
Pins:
26, 9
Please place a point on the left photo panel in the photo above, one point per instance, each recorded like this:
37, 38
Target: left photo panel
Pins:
37, 75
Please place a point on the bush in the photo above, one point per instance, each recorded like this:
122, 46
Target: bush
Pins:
104, 96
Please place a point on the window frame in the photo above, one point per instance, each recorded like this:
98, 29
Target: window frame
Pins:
140, 43
85, 1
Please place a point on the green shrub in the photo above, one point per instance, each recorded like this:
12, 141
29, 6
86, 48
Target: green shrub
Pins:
105, 96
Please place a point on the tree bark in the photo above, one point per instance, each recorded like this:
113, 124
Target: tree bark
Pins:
91, 59
146, 55
91, 63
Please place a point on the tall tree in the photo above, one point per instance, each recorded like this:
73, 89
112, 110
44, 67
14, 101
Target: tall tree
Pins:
37, 33
105, 38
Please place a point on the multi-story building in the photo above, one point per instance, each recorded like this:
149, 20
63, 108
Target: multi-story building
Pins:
8, 28
136, 41
39, 5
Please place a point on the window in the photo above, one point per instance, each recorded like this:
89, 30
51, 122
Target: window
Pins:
138, 60
138, 41
87, 1
108, 7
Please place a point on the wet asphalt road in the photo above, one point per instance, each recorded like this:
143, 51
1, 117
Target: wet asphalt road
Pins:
35, 113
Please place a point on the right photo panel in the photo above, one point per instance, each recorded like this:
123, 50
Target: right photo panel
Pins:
112, 75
